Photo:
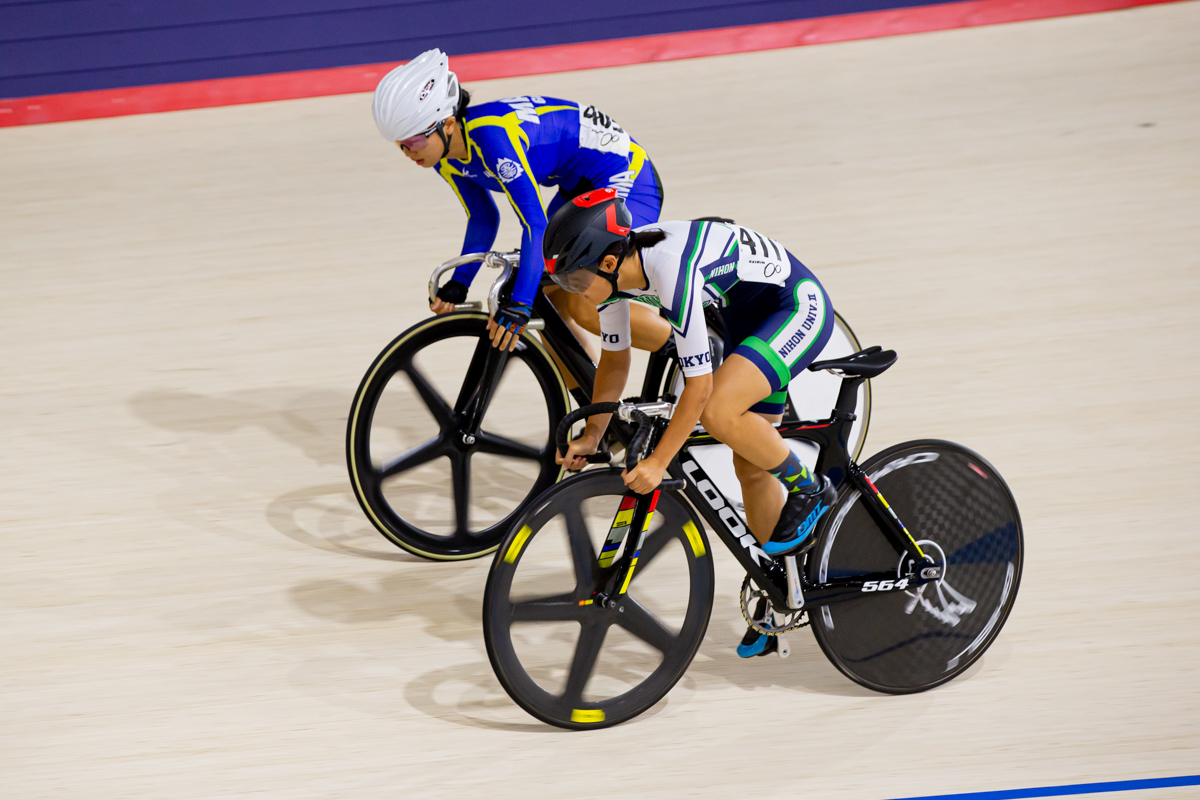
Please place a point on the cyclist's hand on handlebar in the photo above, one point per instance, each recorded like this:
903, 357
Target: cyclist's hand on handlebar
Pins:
645, 477
508, 324
574, 458
451, 293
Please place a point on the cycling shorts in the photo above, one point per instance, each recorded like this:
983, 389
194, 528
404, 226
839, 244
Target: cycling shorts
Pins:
780, 329
644, 200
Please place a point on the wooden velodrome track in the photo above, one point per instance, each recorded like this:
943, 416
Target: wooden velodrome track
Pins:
194, 606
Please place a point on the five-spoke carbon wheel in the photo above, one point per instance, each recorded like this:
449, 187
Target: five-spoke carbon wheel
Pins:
429, 480
963, 516
572, 662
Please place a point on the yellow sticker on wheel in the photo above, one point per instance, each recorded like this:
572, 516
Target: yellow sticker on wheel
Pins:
587, 715
694, 538
518, 543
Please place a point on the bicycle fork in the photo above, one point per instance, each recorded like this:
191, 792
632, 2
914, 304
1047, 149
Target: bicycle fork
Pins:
617, 566
479, 384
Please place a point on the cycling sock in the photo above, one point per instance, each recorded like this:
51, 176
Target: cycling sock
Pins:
794, 476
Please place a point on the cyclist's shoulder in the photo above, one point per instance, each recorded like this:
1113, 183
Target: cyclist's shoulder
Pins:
672, 227
667, 252
522, 122
522, 109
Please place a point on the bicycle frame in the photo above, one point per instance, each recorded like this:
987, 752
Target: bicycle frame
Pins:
579, 364
771, 575
488, 363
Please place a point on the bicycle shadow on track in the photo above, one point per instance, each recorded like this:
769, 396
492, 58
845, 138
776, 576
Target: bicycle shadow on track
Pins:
325, 517
313, 420
481, 701
328, 518
806, 669
446, 598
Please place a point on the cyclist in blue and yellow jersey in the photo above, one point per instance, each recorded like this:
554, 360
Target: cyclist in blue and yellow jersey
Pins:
777, 319
512, 146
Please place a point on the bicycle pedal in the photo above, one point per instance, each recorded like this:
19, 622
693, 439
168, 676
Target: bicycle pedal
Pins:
782, 648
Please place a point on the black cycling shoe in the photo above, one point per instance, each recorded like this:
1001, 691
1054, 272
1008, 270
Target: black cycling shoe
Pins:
798, 520
755, 643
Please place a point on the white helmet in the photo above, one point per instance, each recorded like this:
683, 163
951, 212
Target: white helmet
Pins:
414, 97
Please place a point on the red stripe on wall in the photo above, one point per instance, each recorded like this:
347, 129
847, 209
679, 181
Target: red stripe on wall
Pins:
558, 58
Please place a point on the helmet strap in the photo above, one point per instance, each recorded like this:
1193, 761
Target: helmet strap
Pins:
611, 277
445, 140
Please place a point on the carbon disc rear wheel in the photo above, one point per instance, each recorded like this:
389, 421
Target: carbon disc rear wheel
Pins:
567, 660
963, 516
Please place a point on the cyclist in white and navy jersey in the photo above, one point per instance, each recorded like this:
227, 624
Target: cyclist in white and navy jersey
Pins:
777, 319
511, 147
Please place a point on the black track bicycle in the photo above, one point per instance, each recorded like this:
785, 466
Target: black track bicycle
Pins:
599, 598
448, 440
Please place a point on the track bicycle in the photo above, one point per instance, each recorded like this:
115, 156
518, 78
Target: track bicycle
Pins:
440, 396
598, 599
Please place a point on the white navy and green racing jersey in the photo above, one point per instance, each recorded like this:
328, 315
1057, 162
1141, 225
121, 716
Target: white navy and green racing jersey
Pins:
699, 263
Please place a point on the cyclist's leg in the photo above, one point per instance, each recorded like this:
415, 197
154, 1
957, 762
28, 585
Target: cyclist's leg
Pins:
762, 494
558, 201
738, 386
645, 197
787, 328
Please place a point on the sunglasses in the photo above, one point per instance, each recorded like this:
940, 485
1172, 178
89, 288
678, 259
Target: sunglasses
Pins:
419, 141
577, 280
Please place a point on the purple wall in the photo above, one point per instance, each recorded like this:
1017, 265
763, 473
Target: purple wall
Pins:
55, 46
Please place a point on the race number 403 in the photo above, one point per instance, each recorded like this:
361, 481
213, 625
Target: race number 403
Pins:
599, 131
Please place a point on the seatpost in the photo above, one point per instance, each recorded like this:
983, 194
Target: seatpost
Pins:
847, 398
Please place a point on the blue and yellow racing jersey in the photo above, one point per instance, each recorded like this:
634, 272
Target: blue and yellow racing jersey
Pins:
515, 144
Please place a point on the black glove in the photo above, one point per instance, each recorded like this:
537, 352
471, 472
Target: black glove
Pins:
513, 317
452, 292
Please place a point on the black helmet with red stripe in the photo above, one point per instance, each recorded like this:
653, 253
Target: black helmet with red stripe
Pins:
579, 233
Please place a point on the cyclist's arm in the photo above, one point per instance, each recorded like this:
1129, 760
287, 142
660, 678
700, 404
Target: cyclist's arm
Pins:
695, 358
483, 219
508, 162
612, 373
696, 391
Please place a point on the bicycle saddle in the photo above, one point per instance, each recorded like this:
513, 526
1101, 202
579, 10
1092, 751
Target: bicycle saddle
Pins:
863, 364
714, 219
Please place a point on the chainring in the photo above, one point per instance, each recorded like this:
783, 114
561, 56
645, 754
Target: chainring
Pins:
773, 622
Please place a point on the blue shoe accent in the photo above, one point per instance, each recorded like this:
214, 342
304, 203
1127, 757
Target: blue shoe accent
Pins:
755, 648
805, 529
